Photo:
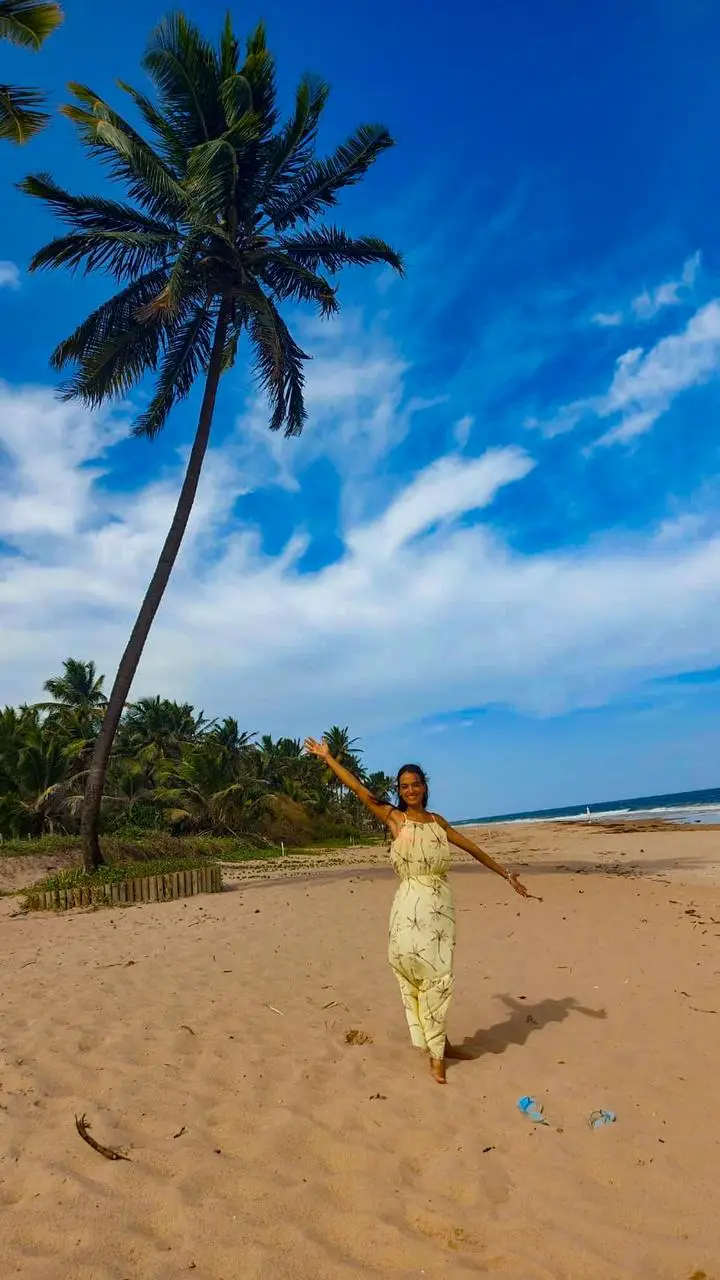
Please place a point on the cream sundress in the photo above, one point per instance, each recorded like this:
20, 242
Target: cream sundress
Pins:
422, 931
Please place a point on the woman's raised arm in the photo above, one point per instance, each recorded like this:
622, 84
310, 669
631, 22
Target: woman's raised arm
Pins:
380, 811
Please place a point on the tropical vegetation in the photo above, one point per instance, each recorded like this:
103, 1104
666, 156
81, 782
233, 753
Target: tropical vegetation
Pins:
26, 23
220, 229
172, 772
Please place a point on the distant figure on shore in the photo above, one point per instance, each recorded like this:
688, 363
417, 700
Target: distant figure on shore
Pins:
422, 919
587, 813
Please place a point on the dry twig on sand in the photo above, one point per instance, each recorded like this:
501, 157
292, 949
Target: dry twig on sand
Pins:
82, 1126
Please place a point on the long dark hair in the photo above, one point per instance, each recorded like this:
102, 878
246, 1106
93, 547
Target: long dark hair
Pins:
412, 768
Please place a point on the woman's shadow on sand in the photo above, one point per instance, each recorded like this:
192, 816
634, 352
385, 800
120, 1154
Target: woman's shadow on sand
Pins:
522, 1021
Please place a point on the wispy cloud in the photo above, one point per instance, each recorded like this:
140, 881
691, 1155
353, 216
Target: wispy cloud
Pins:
9, 275
646, 383
668, 294
650, 302
463, 429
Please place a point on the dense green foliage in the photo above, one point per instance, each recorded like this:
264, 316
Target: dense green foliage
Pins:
172, 773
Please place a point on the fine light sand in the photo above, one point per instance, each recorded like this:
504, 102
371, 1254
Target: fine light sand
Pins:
208, 1040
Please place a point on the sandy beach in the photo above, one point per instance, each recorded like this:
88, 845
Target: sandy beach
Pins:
207, 1040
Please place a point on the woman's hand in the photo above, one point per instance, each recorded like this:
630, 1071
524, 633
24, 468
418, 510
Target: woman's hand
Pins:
320, 749
517, 885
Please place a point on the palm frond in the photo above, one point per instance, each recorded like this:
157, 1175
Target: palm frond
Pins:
117, 366
114, 316
229, 50
183, 67
212, 175
316, 187
129, 156
182, 280
278, 364
186, 357
20, 114
291, 150
92, 211
290, 279
170, 147
121, 254
236, 97
331, 248
259, 71
232, 343
28, 22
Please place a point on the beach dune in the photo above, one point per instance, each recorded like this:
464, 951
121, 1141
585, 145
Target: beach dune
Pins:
209, 1040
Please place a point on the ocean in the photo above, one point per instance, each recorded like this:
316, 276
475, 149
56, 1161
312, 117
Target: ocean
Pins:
679, 806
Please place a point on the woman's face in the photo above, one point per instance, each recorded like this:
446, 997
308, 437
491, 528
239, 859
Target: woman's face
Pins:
412, 790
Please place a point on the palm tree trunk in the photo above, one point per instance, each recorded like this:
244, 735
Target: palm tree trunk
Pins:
97, 772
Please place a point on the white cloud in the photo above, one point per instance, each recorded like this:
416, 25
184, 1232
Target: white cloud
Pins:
424, 611
354, 396
9, 275
669, 294
608, 319
463, 429
646, 383
444, 491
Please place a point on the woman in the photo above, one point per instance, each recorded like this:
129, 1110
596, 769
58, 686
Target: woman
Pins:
422, 919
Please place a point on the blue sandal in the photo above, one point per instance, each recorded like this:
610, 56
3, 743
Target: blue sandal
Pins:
532, 1109
597, 1119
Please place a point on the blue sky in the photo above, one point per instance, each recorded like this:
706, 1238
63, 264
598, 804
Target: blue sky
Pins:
496, 548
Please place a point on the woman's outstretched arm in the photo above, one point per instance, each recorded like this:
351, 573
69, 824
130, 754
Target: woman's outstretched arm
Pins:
462, 842
380, 811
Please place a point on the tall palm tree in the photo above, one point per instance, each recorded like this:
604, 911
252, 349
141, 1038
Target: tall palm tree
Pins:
27, 23
221, 227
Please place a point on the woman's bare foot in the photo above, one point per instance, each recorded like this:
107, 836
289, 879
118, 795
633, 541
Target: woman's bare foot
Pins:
457, 1052
437, 1067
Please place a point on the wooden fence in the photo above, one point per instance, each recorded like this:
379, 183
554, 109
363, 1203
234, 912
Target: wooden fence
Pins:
177, 884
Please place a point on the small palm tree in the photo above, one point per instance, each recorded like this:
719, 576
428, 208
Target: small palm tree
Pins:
228, 736
221, 228
79, 688
37, 775
381, 786
344, 749
204, 791
156, 728
27, 23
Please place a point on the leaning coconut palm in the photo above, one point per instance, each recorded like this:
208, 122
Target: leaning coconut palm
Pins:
27, 23
220, 229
